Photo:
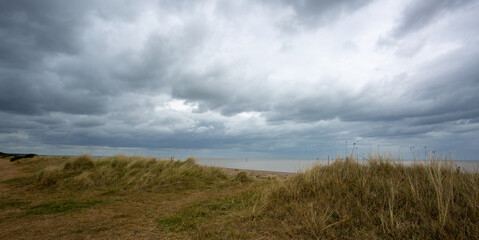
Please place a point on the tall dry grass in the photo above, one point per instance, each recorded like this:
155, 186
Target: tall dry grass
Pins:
381, 199
126, 172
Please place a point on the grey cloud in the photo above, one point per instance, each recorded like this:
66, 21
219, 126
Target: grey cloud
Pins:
32, 32
44, 65
311, 13
84, 81
87, 123
445, 117
49, 121
450, 83
443, 90
155, 68
30, 29
195, 88
398, 131
57, 88
11, 123
17, 95
132, 138
219, 90
34, 95
418, 14
310, 109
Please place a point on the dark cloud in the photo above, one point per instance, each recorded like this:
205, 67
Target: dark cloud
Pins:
32, 94
46, 67
30, 29
18, 96
447, 117
449, 83
419, 14
88, 123
11, 123
188, 75
311, 109
311, 13
33, 32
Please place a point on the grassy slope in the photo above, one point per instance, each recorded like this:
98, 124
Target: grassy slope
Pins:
122, 172
134, 197
381, 200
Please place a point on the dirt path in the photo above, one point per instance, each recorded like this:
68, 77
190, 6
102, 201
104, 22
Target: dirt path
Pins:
8, 170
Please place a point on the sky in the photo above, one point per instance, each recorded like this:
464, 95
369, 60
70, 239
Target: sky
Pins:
246, 78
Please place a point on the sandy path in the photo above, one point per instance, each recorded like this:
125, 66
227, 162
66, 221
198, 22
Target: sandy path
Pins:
8, 170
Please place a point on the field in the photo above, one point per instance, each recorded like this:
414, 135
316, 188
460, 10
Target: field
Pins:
124, 197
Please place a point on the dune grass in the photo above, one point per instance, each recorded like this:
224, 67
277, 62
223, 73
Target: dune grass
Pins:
139, 197
124, 172
379, 200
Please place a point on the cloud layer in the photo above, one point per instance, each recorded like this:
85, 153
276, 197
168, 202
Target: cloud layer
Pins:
258, 78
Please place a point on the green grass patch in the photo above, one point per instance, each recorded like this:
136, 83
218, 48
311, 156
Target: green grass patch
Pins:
60, 207
174, 223
12, 203
187, 218
202, 213
20, 181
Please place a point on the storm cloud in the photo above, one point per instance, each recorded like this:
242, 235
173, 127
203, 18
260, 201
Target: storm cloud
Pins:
297, 79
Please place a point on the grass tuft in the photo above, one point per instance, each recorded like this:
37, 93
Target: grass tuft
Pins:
242, 176
80, 163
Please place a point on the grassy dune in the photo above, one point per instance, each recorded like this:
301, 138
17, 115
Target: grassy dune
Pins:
123, 172
380, 200
125, 197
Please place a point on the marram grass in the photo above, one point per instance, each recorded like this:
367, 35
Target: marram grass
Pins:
124, 172
379, 200
382, 199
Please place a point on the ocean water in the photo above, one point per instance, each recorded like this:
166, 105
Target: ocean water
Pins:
299, 165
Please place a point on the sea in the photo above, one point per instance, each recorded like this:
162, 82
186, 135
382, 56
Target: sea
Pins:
299, 165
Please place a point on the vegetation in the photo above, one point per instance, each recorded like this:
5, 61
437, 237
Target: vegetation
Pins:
378, 200
123, 172
60, 206
15, 156
137, 197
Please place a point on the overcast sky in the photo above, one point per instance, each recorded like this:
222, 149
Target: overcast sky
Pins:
249, 78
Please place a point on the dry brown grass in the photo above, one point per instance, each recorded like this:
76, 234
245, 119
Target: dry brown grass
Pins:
124, 197
118, 197
124, 172
379, 200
